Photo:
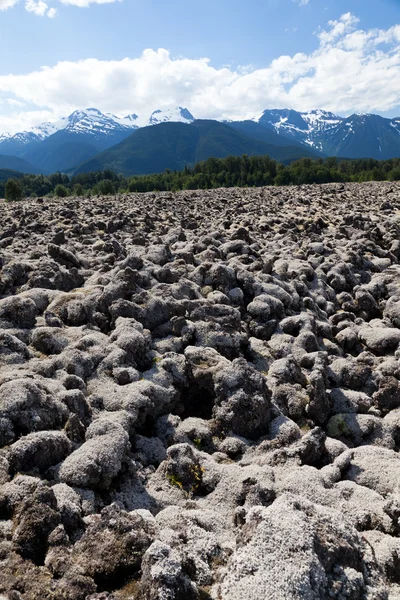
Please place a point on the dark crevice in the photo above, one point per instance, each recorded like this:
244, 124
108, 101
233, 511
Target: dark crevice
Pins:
198, 402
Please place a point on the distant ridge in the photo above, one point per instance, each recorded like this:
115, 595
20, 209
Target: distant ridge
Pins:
80, 137
13, 163
176, 145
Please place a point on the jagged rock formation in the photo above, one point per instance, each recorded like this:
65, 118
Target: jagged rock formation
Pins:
200, 395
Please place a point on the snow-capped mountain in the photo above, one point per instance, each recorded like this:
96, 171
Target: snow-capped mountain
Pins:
357, 136
68, 142
84, 133
129, 120
311, 128
175, 115
36, 133
90, 122
95, 123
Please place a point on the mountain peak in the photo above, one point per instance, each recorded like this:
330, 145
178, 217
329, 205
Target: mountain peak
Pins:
177, 115
132, 117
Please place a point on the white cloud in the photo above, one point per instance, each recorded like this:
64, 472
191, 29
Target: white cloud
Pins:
85, 3
4, 4
301, 2
343, 26
351, 70
41, 8
22, 121
37, 7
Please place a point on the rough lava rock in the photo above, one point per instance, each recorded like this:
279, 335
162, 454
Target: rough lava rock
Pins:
200, 395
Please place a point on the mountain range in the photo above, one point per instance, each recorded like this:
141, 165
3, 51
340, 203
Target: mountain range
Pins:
175, 145
91, 140
357, 136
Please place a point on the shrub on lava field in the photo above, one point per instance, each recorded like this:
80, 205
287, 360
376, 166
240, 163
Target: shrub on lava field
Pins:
61, 191
78, 190
13, 190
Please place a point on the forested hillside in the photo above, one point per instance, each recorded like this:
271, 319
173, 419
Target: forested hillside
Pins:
233, 171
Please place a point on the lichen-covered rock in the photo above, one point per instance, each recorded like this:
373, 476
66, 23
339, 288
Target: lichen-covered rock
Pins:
242, 402
112, 547
38, 451
375, 468
183, 468
35, 519
27, 405
69, 505
12, 350
99, 460
16, 311
199, 395
163, 575
63, 256
295, 549
380, 339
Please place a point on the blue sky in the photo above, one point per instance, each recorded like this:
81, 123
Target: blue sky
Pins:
241, 40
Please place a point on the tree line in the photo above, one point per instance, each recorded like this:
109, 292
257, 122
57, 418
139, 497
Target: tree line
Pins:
233, 171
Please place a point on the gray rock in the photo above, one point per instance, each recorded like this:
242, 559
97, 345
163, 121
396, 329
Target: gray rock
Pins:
375, 468
243, 401
26, 406
348, 401
294, 549
387, 397
35, 519
69, 505
380, 339
49, 340
39, 451
392, 310
17, 311
112, 547
99, 460
164, 576
12, 350
63, 256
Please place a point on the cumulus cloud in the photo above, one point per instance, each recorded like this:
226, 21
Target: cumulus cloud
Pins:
351, 70
337, 29
41, 8
85, 3
37, 7
23, 121
4, 4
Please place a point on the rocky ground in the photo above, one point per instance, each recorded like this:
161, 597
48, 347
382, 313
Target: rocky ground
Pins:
200, 397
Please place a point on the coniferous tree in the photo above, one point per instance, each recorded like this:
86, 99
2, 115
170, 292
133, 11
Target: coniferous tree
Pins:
13, 190
61, 191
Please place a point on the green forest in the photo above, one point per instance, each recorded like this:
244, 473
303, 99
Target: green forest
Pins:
233, 171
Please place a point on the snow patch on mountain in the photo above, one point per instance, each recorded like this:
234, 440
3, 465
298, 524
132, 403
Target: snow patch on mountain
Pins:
129, 120
175, 115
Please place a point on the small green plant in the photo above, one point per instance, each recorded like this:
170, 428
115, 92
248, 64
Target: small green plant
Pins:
174, 481
197, 473
195, 476
198, 442
337, 427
